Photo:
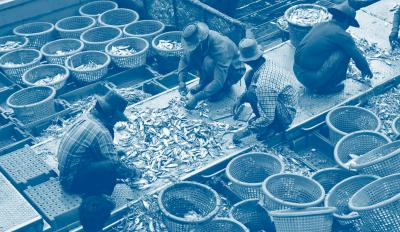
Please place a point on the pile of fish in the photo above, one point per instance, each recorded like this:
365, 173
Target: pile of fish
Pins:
122, 50
88, 67
133, 95
308, 16
84, 104
12, 65
61, 52
10, 45
169, 45
50, 80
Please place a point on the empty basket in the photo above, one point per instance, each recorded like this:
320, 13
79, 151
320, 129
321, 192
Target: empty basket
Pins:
97, 38
53, 75
223, 225
56, 52
357, 143
11, 43
248, 171
347, 119
291, 191
340, 195
38, 33
88, 66
73, 27
378, 204
96, 8
329, 177
128, 52
187, 205
119, 17
33, 103
146, 29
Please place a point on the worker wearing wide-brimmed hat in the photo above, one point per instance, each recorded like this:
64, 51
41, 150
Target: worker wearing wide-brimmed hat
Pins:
322, 57
215, 57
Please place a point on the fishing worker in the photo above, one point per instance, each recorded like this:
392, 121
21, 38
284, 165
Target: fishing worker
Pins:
215, 56
322, 58
394, 35
272, 91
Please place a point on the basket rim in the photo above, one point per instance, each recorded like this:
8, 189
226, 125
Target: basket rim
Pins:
25, 39
67, 61
375, 161
144, 21
115, 5
16, 32
136, 14
338, 186
227, 219
45, 65
52, 95
61, 40
371, 185
304, 212
344, 138
315, 174
292, 8
393, 125
98, 28
38, 58
154, 45
107, 49
333, 128
182, 220
242, 202
92, 24
236, 181
288, 203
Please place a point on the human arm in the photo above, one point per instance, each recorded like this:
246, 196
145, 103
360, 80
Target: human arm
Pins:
183, 68
267, 98
394, 35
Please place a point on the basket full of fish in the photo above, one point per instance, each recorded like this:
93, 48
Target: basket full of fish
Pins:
130, 52
57, 51
46, 75
11, 43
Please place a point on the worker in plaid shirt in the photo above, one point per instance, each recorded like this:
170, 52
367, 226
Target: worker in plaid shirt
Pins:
275, 95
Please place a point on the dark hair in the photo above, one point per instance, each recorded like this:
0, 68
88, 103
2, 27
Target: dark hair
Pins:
94, 212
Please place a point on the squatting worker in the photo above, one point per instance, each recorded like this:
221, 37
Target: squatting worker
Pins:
394, 35
322, 57
275, 94
215, 56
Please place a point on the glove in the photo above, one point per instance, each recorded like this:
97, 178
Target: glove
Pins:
182, 88
192, 102
394, 40
196, 89
240, 134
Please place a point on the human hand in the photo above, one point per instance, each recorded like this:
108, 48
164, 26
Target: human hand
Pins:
394, 40
182, 89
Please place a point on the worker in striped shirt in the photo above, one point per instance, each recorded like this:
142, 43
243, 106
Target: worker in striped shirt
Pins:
275, 95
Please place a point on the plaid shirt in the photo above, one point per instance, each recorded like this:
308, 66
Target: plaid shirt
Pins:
86, 141
273, 84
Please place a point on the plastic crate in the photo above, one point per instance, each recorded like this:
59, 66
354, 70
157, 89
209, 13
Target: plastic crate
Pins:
152, 88
12, 137
131, 77
171, 80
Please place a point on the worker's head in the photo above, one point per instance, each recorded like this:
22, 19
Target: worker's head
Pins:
111, 107
94, 212
249, 51
194, 34
344, 15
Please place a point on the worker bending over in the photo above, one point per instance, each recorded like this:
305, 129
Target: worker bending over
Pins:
394, 35
322, 58
215, 56
271, 90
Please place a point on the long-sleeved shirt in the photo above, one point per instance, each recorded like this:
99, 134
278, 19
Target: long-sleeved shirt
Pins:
225, 54
322, 41
396, 22
86, 141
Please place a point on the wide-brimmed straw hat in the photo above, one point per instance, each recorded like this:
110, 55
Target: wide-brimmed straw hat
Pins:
193, 34
113, 105
344, 9
249, 50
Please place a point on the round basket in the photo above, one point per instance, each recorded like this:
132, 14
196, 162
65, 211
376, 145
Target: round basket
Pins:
378, 204
396, 126
381, 161
248, 171
357, 143
88, 75
15, 63
95, 8
39, 76
187, 205
347, 119
73, 27
250, 213
329, 177
175, 36
97, 38
122, 58
56, 52
297, 30
339, 197
119, 17
291, 191
318, 219
146, 29
223, 225
38, 33
33, 103
12, 43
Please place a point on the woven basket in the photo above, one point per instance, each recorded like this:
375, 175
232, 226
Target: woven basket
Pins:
381, 161
38, 33
339, 197
119, 17
67, 47
87, 57
223, 225
146, 29
329, 177
28, 58
248, 171
250, 213
97, 38
357, 143
73, 27
185, 197
95, 8
396, 126
318, 219
298, 31
33, 103
141, 46
43, 71
378, 204
291, 191
23, 42
171, 35
347, 119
